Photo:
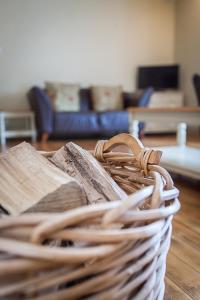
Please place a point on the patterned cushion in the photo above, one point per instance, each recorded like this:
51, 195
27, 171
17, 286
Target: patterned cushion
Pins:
106, 98
64, 97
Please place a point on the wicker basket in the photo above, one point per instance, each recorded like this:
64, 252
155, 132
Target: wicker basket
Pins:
114, 250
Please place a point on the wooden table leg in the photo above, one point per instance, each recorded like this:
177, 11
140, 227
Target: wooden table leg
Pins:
181, 136
135, 128
2, 130
33, 130
44, 138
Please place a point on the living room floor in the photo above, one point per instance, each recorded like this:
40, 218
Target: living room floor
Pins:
183, 264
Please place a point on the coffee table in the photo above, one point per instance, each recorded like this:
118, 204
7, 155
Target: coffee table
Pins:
188, 114
183, 160
179, 159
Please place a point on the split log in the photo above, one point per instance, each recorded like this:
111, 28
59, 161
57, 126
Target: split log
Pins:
80, 164
30, 182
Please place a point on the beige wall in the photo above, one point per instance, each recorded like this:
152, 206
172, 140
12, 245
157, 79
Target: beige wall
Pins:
187, 44
85, 41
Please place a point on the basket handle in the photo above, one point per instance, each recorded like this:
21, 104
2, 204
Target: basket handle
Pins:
134, 145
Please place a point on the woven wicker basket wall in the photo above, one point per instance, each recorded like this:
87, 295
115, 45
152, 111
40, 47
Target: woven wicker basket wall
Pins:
114, 250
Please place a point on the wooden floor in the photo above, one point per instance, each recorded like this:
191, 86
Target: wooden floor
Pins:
183, 264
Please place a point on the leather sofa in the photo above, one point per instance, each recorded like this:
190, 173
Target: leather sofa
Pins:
86, 122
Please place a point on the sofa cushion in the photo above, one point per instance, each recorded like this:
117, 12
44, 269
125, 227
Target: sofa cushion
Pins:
106, 98
113, 122
76, 123
64, 97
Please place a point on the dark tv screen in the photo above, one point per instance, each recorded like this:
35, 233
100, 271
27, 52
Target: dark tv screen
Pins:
158, 77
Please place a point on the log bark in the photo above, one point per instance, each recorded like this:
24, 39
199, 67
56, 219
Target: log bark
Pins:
29, 182
80, 164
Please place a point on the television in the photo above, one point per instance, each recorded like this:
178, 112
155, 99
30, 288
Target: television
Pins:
158, 77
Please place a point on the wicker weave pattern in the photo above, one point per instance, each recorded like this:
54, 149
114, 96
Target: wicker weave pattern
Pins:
115, 250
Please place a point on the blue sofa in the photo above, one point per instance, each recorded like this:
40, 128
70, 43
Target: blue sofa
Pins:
86, 122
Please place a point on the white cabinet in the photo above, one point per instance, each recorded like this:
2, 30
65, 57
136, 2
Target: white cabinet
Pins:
167, 98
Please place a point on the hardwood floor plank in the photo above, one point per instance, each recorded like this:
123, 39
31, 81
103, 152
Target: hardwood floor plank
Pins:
173, 292
188, 221
184, 276
189, 214
185, 252
186, 234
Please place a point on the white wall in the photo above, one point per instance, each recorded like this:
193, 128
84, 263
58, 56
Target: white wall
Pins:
85, 41
188, 45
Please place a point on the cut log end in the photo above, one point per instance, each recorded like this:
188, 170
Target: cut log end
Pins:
29, 182
80, 164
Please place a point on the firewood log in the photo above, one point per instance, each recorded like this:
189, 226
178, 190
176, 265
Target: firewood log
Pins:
80, 164
30, 182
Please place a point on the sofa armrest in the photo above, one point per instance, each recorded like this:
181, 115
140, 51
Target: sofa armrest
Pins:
130, 99
40, 104
138, 98
85, 100
145, 99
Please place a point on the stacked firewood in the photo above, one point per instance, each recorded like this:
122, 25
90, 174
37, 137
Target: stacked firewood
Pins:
72, 177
